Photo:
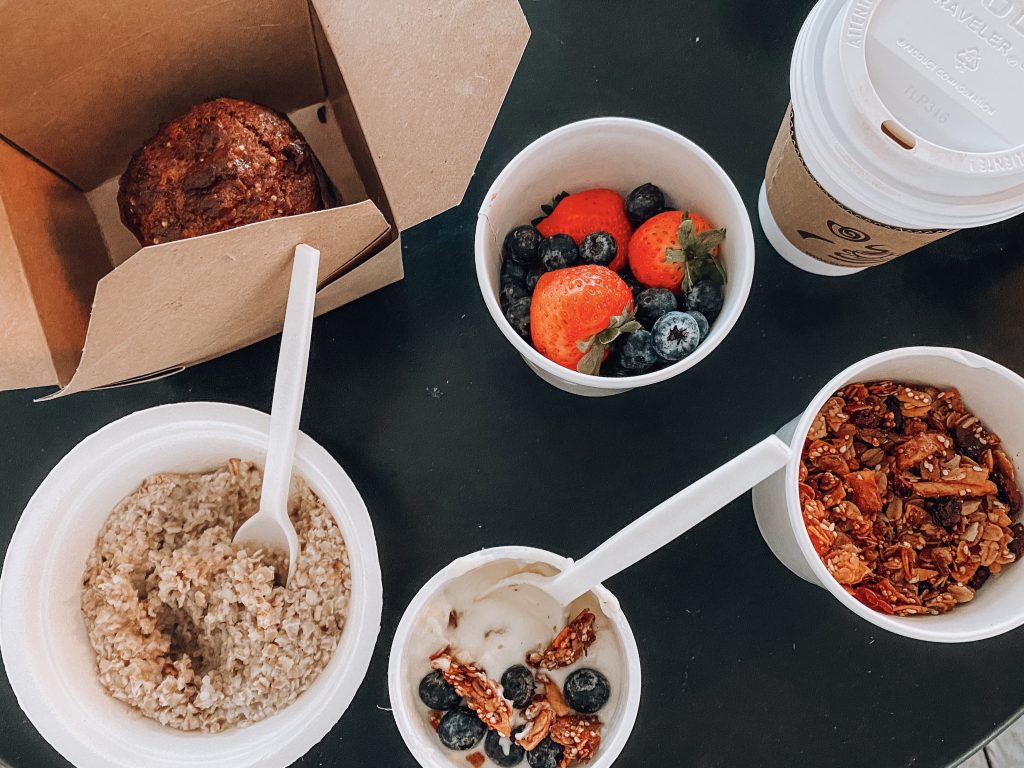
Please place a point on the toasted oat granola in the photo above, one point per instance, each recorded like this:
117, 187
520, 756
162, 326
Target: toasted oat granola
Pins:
189, 628
907, 498
569, 646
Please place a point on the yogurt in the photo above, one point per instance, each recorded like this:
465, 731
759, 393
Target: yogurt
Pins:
496, 628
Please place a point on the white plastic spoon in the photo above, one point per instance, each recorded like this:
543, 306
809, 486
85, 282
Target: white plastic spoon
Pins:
271, 529
667, 521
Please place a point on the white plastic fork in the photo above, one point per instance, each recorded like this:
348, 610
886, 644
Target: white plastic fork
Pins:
270, 529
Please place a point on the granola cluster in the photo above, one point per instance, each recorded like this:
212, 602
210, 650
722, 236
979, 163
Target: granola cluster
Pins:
907, 498
569, 645
547, 722
482, 695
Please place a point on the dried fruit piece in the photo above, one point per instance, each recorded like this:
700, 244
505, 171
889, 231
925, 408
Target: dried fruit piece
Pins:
553, 695
539, 716
917, 449
864, 489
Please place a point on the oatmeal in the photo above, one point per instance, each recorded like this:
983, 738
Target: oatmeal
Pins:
191, 629
907, 497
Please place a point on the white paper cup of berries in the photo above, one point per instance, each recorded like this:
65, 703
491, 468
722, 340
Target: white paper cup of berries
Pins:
470, 663
613, 253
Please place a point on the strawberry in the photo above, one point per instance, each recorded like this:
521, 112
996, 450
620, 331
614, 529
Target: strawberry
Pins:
594, 210
674, 250
577, 312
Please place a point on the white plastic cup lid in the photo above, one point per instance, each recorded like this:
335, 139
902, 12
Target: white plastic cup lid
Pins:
950, 72
909, 114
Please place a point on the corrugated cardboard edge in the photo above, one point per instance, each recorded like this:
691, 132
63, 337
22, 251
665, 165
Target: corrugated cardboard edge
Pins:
822, 227
427, 80
384, 268
254, 260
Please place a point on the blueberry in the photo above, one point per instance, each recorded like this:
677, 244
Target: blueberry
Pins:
702, 323
518, 315
513, 272
559, 252
636, 352
586, 690
706, 297
652, 303
513, 283
547, 754
519, 686
634, 284
598, 248
521, 244
612, 366
493, 749
532, 277
509, 293
461, 729
644, 202
436, 693
676, 335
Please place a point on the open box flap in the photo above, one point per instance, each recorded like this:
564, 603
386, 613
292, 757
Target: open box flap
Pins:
51, 257
426, 80
179, 303
25, 359
77, 81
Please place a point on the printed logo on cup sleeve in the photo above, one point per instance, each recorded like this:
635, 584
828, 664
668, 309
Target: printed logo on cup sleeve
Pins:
821, 226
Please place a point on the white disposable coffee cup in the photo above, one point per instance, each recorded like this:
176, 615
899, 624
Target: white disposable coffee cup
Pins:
47, 655
991, 392
906, 124
617, 153
404, 665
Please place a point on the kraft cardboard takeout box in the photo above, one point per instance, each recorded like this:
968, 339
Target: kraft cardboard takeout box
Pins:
396, 99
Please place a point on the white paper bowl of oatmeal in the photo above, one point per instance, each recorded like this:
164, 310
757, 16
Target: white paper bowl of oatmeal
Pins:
899, 497
578, 667
185, 636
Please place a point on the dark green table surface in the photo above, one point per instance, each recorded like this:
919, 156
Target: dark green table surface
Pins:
456, 445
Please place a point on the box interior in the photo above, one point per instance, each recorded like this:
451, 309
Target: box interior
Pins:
80, 91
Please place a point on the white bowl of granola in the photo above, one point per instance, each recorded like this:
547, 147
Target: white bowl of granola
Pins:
927, 548
455, 622
68, 651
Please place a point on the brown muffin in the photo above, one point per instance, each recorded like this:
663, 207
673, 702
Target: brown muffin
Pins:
222, 164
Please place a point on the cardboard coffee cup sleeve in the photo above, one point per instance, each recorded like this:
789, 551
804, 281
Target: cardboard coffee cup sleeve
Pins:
819, 225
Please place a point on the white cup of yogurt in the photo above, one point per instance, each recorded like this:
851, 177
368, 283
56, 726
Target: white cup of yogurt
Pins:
424, 630
616, 153
990, 391
906, 124
46, 652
